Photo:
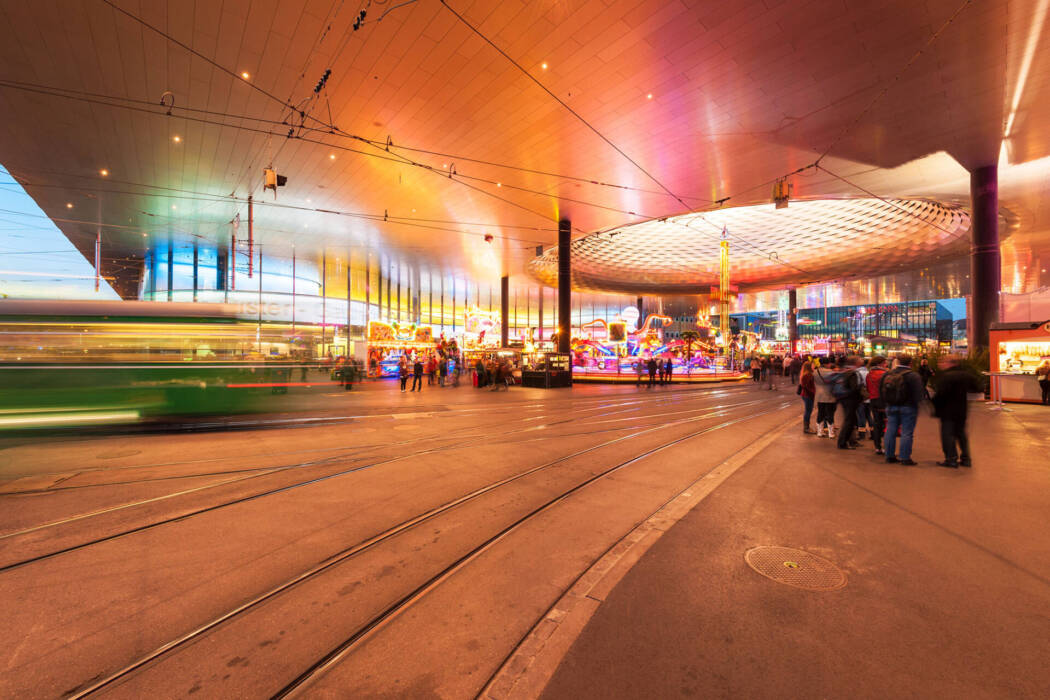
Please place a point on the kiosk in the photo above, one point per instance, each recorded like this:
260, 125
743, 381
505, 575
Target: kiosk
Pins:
1016, 350
546, 370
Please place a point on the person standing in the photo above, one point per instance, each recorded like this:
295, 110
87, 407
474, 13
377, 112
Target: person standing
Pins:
850, 394
825, 403
417, 375
771, 366
926, 376
950, 401
864, 408
639, 369
442, 370
402, 372
902, 390
876, 369
756, 369
652, 371
457, 361
795, 369
668, 368
431, 368
1042, 374
807, 390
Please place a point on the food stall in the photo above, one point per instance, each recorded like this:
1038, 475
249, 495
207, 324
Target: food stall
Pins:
1017, 349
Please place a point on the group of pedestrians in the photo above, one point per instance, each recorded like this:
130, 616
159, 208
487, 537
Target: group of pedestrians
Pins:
497, 372
433, 366
882, 403
659, 371
764, 369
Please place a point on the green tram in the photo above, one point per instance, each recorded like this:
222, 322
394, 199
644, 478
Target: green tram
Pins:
68, 363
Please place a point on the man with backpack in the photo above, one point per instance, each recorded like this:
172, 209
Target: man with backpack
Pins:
848, 391
876, 370
901, 390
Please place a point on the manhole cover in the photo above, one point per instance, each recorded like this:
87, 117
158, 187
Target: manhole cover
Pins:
119, 453
796, 568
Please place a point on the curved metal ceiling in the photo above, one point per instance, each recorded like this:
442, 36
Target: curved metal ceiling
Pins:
808, 241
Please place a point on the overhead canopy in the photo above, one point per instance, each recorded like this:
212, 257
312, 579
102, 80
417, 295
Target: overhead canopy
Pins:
441, 123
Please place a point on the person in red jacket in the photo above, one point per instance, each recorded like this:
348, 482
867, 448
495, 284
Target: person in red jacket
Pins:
876, 369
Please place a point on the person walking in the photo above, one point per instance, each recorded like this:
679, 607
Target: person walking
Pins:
668, 368
756, 369
825, 402
431, 369
639, 370
950, 402
807, 390
849, 391
442, 370
902, 390
402, 372
457, 362
652, 371
417, 375
926, 375
1042, 374
864, 408
479, 373
795, 368
876, 369
771, 367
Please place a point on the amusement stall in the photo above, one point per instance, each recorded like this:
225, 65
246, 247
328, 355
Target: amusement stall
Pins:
611, 351
389, 342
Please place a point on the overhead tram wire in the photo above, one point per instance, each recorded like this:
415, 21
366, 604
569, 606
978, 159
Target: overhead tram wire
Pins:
216, 198
392, 157
573, 112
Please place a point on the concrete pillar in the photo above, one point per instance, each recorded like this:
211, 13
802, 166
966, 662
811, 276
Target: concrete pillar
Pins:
504, 310
564, 285
793, 319
985, 270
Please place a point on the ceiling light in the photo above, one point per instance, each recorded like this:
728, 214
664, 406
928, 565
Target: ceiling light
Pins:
499, 184
177, 139
245, 75
69, 205
331, 156
172, 206
544, 65
103, 172
649, 96
444, 165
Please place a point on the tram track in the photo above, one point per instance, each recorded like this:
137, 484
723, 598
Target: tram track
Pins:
282, 489
335, 654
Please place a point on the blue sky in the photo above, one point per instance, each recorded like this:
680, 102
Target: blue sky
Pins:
36, 259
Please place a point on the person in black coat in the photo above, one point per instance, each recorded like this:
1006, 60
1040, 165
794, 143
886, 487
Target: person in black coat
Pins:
651, 366
951, 386
417, 375
668, 368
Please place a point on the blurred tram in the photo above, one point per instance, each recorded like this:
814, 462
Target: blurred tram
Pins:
66, 363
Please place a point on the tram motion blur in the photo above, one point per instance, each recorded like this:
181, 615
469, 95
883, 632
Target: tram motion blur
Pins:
87, 363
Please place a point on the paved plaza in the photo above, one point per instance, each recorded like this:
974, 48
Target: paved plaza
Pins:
436, 545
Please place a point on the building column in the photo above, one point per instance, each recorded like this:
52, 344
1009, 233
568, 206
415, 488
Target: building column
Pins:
564, 285
504, 310
793, 319
985, 270
641, 312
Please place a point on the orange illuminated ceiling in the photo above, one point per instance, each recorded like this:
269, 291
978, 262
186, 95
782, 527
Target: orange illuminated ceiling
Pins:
609, 113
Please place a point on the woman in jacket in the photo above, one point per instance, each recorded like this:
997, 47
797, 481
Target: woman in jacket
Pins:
822, 380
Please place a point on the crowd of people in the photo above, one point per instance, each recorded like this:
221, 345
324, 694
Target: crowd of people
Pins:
880, 401
446, 369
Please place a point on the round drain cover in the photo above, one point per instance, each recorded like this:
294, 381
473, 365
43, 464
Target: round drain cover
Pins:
119, 453
795, 567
